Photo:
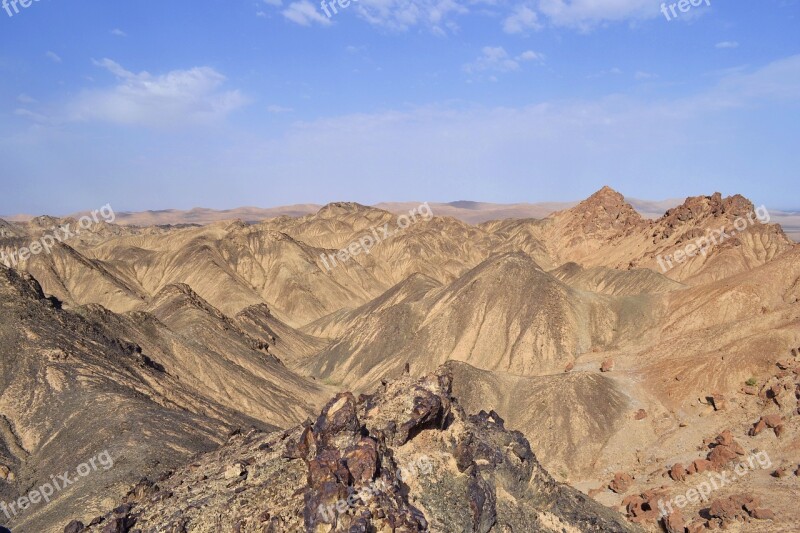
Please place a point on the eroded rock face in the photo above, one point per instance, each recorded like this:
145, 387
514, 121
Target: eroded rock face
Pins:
406, 458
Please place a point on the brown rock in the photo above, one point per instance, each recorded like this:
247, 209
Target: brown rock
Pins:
569, 367
758, 427
641, 414
621, 483
779, 430
726, 509
696, 527
699, 466
718, 401
762, 514
674, 522
678, 472
772, 421
362, 460
750, 391
721, 456
780, 472
607, 365
725, 438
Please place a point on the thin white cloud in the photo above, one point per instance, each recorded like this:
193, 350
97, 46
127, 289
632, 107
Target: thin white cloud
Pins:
273, 3
277, 109
727, 44
402, 15
175, 99
25, 99
493, 58
642, 75
522, 19
33, 116
305, 13
584, 14
530, 55
118, 32
616, 71
52, 56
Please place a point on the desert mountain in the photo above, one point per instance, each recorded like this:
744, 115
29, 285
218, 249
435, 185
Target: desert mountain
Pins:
567, 327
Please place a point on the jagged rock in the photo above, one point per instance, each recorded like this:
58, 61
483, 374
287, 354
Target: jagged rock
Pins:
467, 472
758, 427
607, 365
76, 526
641, 414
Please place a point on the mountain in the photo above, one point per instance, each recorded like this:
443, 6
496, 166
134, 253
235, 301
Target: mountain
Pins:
611, 345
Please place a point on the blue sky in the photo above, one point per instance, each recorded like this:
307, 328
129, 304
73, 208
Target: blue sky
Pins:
221, 104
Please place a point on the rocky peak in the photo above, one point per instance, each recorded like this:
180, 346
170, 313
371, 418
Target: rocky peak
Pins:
406, 458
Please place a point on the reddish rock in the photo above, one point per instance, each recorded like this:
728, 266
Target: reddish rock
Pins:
699, 466
758, 427
780, 473
678, 472
726, 509
607, 366
674, 522
772, 421
750, 391
718, 402
362, 460
762, 514
569, 367
779, 430
725, 438
721, 456
697, 527
641, 414
621, 483
595, 492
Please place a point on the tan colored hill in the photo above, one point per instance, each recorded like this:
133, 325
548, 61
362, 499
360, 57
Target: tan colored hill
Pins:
236, 324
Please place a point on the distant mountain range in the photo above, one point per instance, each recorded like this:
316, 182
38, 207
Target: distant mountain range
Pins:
464, 210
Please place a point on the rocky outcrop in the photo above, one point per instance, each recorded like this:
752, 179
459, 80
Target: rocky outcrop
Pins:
406, 458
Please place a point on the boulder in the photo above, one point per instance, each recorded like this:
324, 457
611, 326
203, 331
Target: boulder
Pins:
678, 472
621, 483
674, 522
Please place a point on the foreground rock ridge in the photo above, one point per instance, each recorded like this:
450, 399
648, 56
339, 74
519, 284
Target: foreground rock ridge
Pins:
406, 458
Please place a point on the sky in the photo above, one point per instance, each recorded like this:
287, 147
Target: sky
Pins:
221, 104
